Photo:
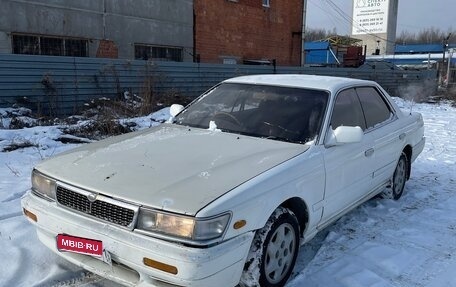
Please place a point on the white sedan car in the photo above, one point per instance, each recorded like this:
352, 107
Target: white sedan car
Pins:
228, 190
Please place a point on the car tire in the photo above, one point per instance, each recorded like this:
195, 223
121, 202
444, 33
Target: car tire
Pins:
273, 251
398, 180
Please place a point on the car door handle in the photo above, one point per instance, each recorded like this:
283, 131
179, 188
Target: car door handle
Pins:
402, 136
369, 152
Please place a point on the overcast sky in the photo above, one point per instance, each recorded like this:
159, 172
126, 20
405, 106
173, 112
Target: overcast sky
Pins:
413, 16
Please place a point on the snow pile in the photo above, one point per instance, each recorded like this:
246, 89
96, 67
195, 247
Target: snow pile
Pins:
213, 127
382, 243
16, 118
30, 263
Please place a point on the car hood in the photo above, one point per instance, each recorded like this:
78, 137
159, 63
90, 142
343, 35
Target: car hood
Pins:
170, 167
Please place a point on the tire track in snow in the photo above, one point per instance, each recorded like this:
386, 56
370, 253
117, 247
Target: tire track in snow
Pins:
10, 215
20, 269
369, 222
84, 280
14, 196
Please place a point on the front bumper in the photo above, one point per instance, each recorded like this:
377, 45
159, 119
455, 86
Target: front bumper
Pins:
219, 265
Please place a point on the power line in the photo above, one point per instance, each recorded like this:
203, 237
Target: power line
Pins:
329, 13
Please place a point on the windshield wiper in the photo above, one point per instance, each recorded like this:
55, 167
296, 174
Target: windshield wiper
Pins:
279, 139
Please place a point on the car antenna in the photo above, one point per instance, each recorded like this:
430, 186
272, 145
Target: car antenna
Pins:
409, 96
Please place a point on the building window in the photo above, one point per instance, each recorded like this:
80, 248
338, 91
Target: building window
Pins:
158, 53
266, 3
51, 46
26, 45
76, 48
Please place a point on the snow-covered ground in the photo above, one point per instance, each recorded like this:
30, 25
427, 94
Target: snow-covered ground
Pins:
382, 243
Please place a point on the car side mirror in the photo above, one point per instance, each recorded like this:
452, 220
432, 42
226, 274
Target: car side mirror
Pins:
344, 135
175, 109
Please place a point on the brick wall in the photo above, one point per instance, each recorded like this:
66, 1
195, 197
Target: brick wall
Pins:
246, 30
107, 49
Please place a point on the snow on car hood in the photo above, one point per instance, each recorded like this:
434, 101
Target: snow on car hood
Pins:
170, 167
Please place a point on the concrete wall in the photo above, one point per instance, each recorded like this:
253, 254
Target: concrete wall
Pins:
5, 43
125, 22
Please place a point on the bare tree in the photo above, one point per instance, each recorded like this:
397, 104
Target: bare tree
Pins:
319, 34
430, 35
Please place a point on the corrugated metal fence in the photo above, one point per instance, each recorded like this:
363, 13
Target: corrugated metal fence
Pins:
61, 85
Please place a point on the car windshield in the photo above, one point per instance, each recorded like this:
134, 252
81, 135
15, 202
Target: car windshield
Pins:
278, 113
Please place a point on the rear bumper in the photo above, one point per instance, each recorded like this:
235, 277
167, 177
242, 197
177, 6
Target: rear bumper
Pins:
219, 265
418, 148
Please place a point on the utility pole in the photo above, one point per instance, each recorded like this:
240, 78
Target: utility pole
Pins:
303, 32
445, 45
450, 56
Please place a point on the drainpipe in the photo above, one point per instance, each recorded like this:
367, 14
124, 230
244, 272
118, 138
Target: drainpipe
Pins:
104, 19
303, 32
195, 57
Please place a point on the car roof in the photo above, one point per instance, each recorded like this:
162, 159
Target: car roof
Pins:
301, 81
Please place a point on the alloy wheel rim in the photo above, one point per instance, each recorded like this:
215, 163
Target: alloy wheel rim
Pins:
279, 253
399, 177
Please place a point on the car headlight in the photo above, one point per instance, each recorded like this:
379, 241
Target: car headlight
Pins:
43, 185
185, 227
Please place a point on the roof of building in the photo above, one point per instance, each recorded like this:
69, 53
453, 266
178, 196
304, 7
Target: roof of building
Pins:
331, 41
421, 48
308, 46
415, 59
338, 40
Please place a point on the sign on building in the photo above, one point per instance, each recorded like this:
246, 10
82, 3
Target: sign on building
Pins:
370, 17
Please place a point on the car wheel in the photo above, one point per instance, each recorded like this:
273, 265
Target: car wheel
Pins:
273, 252
398, 180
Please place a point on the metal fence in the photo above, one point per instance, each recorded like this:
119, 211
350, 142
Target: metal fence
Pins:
61, 85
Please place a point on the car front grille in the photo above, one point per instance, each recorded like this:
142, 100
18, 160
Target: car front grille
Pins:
99, 208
